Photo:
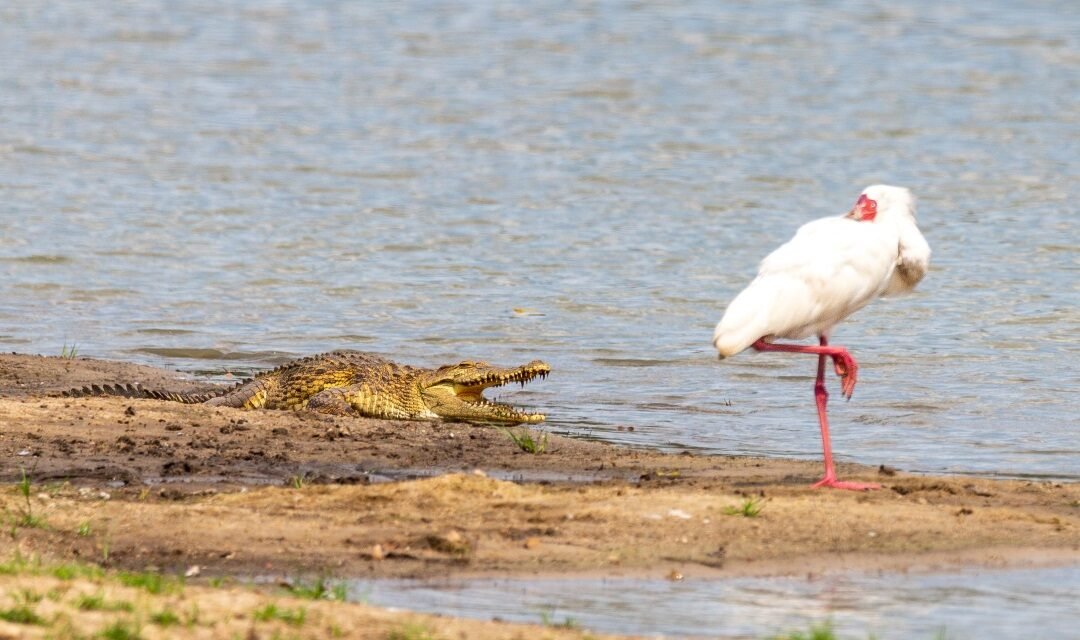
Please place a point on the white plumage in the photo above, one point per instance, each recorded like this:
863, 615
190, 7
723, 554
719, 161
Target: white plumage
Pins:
831, 268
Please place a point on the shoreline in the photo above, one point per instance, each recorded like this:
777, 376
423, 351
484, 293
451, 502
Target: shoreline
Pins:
261, 493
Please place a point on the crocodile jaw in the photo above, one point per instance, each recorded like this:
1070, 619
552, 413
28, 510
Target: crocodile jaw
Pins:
461, 394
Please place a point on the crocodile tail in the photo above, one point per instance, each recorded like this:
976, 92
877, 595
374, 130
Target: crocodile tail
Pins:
138, 391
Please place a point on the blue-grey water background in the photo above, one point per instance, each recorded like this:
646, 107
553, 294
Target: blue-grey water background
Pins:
969, 605
218, 186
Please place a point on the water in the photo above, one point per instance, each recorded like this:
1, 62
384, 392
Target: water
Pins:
219, 186
987, 605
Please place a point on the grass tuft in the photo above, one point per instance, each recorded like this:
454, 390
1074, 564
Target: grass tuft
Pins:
71, 571
26, 517
69, 353
97, 602
121, 630
151, 581
750, 508
525, 440
271, 611
321, 589
165, 618
547, 618
822, 631
411, 631
21, 614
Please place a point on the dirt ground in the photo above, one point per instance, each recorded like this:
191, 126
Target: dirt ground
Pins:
138, 483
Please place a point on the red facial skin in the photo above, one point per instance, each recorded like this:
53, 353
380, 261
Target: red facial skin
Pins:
865, 210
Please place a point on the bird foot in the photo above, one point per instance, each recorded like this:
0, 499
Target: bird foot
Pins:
848, 371
833, 483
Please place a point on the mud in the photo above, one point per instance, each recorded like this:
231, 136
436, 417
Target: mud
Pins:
137, 483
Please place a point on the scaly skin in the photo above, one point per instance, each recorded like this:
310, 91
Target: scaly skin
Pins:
357, 383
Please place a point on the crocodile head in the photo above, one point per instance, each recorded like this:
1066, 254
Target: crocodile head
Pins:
456, 391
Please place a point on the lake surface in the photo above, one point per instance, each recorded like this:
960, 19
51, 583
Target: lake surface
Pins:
971, 605
221, 186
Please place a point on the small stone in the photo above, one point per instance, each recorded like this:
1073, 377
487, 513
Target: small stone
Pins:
192, 571
532, 543
377, 552
452, 543
674, 576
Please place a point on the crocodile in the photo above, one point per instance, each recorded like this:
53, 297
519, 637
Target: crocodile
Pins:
359, 383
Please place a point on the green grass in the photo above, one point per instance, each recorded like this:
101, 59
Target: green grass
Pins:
525, 440
84, 530
28, 596
21, 614
97, 602
547, 618
165, 618
271, 611
120, 630
70, 571
151, 581
26, 517
297, 482
19, 564
750, 508
69, 353
321, 589
411, 631
823, 631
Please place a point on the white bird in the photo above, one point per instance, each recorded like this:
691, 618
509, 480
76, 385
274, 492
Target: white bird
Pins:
831, 268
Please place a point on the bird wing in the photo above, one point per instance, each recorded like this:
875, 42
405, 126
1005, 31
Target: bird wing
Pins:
912, 261
830, 269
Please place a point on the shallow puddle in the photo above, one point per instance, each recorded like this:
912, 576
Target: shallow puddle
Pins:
983, 604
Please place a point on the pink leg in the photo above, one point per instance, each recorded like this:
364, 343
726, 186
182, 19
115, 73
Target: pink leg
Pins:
846, 368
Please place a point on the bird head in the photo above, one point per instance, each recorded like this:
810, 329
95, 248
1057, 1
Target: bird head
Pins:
884, 199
